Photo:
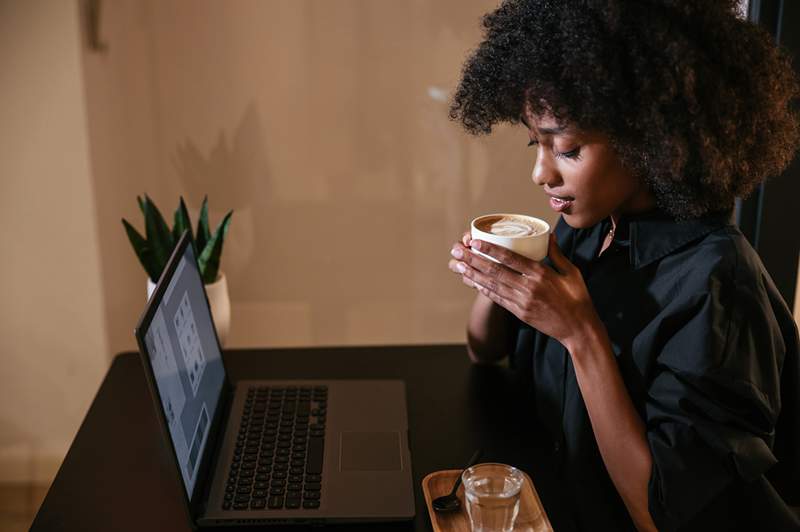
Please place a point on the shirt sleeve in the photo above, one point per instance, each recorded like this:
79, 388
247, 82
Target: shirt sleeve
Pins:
714, 400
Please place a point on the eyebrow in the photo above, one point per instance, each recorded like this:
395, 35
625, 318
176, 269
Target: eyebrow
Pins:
551, 130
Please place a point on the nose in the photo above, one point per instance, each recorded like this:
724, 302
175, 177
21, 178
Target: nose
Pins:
544, 171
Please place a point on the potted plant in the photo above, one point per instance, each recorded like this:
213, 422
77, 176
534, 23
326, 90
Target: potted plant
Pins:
155, 248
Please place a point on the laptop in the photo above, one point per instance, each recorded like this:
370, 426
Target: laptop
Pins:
260, 452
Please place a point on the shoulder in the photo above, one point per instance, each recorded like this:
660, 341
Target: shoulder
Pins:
718, 292
722, 262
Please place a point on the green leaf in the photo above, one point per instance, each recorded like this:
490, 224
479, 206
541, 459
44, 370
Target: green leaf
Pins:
209, 259
203, 232
182, 223
159, 237
141, 204
142, 250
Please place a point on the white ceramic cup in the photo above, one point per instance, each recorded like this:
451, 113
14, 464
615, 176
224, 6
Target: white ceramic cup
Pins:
534, 246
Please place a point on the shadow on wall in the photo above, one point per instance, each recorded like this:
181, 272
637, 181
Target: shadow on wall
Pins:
231, 175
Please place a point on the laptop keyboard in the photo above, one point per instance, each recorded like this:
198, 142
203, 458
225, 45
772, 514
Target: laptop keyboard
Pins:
277, 461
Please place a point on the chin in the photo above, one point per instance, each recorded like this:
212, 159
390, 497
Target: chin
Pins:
580, 221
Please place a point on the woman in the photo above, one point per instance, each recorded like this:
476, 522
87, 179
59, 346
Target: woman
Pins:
661, 355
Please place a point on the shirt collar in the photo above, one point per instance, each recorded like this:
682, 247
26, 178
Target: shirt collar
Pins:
655, 234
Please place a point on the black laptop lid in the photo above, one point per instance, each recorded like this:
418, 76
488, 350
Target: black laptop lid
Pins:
182, 360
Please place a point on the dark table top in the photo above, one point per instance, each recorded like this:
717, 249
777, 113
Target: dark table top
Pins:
117, 474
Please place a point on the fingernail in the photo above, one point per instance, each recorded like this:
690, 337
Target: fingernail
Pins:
476, 244
461, 267
457, 253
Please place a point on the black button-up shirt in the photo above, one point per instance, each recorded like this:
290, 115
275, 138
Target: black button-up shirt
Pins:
708, 351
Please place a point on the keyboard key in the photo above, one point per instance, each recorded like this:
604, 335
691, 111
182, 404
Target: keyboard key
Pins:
226, 505
279, 475
240, 506
310, 495
262, 477
313, 478
243, 489
294, 487
276, 502
260, 494
280, 467
313, 486
292, 502
315, 455
309, 505
242, 498
296, 478
277, 491
296, 471
261, 485
257, 504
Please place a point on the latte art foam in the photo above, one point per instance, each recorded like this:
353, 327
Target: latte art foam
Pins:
510, 226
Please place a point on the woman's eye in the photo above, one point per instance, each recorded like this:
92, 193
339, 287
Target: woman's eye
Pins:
572, 154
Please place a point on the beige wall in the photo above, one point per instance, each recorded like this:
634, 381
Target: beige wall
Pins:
323, 124
52, 345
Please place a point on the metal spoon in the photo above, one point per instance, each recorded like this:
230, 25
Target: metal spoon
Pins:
449, 502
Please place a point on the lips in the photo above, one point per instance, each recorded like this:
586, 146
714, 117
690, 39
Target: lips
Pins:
560, 203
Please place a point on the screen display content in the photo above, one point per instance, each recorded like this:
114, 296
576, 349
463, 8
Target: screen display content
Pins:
186, 364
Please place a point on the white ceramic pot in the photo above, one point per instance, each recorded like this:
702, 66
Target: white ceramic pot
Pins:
220, 303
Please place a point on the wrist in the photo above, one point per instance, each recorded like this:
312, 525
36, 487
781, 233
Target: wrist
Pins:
586, 337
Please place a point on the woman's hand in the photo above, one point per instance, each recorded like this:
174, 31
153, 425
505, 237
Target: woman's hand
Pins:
553, 301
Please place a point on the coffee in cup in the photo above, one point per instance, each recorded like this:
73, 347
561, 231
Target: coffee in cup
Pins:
520, 233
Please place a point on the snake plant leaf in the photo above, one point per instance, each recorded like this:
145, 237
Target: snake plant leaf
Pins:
142, 251
141, 203
209, 259
159, 237
203, 233
182, 223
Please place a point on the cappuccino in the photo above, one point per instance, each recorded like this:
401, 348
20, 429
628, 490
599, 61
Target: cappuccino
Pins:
511, 226
521, 234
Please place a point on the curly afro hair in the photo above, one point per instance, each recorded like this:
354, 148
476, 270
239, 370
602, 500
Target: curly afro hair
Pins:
695, 101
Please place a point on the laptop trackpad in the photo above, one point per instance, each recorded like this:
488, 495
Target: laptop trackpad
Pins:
370, 451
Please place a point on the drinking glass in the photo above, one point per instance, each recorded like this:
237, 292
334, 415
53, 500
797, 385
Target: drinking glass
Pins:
492, 495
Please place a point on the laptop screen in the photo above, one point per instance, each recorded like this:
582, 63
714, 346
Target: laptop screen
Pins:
186, 364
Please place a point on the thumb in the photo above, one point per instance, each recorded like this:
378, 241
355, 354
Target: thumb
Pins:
558, 259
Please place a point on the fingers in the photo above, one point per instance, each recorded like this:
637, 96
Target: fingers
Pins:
465, 238
488, 283
473, 262
508, 258
454, 267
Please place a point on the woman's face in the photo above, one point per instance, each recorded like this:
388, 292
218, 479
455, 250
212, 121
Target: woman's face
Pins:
582, 174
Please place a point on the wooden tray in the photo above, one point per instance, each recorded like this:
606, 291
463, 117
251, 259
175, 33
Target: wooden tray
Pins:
531, 518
